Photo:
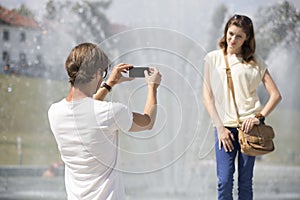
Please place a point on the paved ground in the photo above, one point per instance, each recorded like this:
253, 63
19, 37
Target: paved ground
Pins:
270, 183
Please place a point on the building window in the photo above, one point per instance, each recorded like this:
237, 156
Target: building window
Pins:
5, 57
38, 39
39, 59
23, 61
23, 37
22, 57
5, 35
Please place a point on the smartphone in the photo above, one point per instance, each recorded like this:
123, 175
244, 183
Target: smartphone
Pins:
138, 72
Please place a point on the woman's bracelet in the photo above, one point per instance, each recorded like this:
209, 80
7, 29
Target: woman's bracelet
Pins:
261, 118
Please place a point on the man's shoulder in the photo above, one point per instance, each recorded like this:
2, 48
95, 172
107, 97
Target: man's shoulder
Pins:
55, 110
112, 107
57, 104
110, 104
117, 107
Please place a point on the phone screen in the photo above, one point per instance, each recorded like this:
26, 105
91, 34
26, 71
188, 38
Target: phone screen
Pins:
138, 72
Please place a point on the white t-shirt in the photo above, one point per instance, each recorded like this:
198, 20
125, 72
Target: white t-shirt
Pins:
246, 79
86, 132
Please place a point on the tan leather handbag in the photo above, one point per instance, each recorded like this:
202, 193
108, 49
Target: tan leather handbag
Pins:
259, 140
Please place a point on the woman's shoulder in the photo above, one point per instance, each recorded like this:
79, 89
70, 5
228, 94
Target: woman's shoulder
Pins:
259, 61
215, 53
214, 57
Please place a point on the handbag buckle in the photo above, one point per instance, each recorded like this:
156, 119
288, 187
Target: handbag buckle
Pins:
261, 141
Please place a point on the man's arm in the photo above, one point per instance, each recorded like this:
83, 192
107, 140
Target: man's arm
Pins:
146, 120
114, 78
101, 93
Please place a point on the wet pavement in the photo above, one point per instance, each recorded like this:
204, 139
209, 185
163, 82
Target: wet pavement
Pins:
270, 182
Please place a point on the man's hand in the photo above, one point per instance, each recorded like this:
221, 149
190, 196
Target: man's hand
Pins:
116, 76
153, 78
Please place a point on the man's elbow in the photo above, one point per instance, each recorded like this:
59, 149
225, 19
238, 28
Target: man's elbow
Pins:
150, 126
149, 122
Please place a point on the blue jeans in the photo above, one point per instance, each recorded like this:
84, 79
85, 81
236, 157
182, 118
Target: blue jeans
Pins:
226, 169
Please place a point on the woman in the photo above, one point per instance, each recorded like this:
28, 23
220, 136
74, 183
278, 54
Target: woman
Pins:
86, 127
248, 71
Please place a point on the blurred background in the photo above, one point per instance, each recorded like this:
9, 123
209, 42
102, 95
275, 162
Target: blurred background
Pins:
175, 160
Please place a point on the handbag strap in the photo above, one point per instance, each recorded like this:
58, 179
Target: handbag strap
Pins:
231, 88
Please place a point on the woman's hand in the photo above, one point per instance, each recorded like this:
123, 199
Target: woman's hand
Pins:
116, 76
248, 124
225, 138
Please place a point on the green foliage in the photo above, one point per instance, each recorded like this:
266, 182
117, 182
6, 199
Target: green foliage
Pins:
216, 29
50, 10
85, 19
275, 25
219, 16
23, 10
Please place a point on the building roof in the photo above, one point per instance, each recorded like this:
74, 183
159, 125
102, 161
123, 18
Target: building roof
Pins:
116, 28
12, 18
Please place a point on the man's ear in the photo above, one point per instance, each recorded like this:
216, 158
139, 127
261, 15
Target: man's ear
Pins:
98, 73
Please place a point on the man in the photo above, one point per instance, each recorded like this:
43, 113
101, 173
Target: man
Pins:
86, 127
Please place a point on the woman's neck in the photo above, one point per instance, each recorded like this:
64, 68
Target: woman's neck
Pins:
236, 52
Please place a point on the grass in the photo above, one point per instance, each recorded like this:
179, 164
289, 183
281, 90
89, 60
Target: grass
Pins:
24, 103
286, 123
23, 113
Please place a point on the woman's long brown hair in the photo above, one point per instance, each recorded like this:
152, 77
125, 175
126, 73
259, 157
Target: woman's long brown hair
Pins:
248, 48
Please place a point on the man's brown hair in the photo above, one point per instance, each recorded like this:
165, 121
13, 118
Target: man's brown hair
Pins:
84, 61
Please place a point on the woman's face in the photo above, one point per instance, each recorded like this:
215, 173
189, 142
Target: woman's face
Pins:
235, 39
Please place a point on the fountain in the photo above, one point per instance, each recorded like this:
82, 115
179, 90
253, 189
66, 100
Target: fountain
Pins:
176, 159
162, 152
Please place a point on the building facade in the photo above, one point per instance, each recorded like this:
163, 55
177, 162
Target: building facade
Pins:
39, 49
20, 43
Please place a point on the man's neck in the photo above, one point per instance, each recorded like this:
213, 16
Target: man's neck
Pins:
77, 93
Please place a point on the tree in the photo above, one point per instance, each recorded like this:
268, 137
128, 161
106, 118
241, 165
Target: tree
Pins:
23, 10
50, 10
216, 29
278, 42
83, 19
278, 24
93, 18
